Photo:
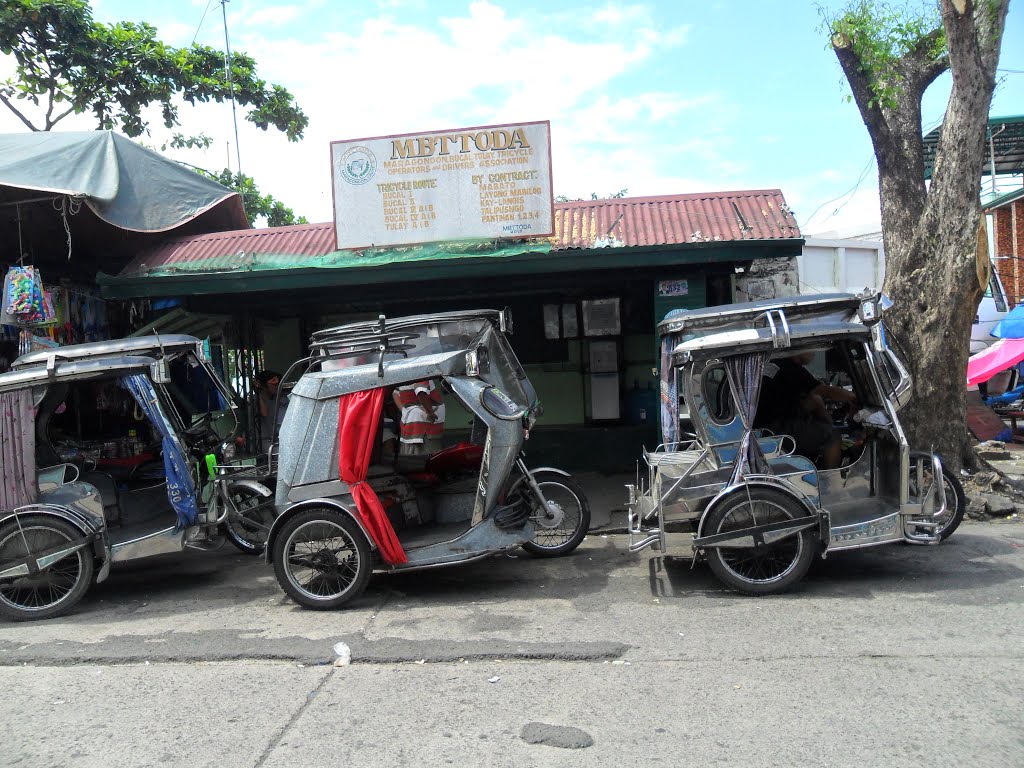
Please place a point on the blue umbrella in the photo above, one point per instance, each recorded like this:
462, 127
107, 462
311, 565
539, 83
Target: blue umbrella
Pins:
1011, 326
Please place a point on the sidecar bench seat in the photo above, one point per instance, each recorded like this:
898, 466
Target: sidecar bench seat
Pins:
674, 458
105, 484
422, 479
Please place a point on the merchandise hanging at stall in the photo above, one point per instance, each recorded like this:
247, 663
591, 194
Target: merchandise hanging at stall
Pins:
35, 316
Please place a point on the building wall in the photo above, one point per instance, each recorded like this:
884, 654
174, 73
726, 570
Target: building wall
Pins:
1007, 266
840, 266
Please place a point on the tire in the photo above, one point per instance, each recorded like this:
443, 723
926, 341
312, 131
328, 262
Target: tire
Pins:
58, 587
248, 529
566, 494
956, 498
767, 568
322, 559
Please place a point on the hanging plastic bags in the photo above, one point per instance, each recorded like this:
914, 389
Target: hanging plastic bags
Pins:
24, 301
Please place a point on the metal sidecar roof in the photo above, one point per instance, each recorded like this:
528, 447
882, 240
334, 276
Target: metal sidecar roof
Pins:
325, 385
147, 346
737, 341
343, 334
797, 309
64, 370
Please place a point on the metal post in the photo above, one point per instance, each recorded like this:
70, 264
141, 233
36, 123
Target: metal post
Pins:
231, 83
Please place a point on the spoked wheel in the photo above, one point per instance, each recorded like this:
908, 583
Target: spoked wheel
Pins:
57, 587
759, 568
560, 528
322, 559
248, 528
956, 499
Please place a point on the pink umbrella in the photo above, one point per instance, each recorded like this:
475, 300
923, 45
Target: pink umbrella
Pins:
1003, 354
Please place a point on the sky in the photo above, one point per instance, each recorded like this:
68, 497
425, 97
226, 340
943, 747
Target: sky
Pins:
657, 98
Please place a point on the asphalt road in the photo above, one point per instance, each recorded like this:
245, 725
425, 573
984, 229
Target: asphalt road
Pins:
892, 656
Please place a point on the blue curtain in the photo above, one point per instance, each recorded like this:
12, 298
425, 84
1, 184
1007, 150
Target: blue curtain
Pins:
181, 488
668, 391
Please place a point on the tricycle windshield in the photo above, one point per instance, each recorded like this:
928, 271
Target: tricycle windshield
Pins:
194, 393
505, 372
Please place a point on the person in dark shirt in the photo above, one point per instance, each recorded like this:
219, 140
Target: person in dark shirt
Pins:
793, 403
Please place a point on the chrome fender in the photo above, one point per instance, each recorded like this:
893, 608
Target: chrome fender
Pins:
288, 514
763, 481
522, 480
94, 534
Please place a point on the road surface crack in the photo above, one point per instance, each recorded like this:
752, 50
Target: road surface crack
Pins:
294, 719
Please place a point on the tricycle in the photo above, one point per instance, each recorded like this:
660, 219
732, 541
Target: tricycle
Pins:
115, 451
348, 505
759, 511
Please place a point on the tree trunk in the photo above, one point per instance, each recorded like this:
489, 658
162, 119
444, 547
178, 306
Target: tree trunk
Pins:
931, 236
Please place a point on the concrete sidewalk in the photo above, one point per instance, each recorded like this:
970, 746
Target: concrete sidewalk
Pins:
606, 495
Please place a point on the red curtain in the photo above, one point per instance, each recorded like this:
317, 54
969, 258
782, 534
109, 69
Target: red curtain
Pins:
358, 417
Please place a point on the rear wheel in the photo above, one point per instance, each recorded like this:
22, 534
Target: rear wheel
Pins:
956, 498
322, 559
560, 528
247, 528
58, 586
766, 567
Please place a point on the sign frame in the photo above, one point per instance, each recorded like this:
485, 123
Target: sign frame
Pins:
449, 131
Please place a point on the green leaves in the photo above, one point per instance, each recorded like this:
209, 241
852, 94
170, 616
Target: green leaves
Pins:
114, 71
257, 205
884, 37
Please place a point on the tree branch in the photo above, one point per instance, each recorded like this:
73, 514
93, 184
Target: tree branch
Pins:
869, 107
7, 102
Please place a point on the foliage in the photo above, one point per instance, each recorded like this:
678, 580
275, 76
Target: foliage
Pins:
67, 63
882, 36
593, 196
257, 205
181, 141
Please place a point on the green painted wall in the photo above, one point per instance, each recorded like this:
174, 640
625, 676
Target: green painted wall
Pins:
282, 344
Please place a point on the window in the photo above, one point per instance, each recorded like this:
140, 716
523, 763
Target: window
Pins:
717, 395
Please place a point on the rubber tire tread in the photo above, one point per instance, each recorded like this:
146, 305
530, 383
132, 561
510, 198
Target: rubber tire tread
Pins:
961, 503
241, 543
811, 543
78, 591
581, 530
325, 514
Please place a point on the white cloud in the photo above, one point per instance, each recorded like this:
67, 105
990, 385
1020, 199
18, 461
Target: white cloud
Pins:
488, 64
270, 16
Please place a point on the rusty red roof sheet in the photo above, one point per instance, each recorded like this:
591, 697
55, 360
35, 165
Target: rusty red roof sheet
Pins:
760, 214
625, 222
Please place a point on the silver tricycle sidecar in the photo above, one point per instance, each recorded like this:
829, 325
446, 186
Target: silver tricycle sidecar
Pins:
758, 512
112, 451
348, 506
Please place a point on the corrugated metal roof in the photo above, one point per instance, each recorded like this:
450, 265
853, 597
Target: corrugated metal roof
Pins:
625, 222
675, 220
236, 248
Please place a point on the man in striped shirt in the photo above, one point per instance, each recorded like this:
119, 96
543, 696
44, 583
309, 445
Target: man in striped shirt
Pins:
422, 424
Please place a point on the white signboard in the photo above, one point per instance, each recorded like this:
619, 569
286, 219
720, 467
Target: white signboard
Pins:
489, 182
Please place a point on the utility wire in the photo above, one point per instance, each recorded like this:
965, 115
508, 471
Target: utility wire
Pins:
196, 35
850, 191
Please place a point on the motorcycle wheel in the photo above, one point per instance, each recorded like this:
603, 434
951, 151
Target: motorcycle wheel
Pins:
565, 497
767, 568
956, 498
248, 528
57, 588
322, 559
